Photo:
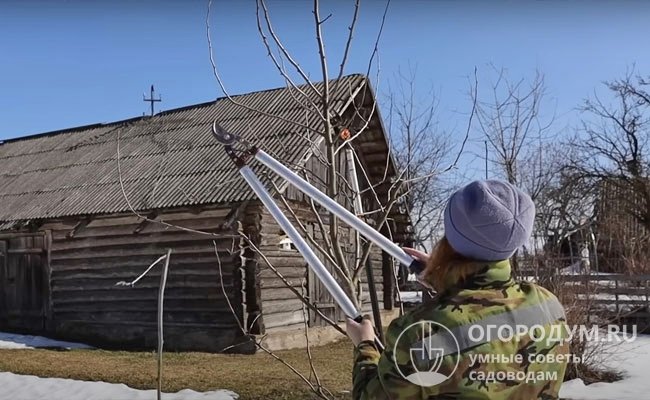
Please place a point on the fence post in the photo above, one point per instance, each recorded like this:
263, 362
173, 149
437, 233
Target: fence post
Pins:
647, 302
588, 299
616, 295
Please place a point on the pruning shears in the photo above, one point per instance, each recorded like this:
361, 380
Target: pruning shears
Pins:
246, 152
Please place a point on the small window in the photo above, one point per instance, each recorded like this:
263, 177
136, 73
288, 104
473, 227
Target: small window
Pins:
286, 244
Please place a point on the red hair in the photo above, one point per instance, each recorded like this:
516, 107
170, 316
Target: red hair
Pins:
446, 267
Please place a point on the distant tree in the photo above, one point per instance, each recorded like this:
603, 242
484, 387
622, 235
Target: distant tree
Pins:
611, 156
422, 150
612, 144
510, 119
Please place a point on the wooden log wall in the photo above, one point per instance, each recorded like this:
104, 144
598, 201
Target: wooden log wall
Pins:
280, 308
88, 258
377, 272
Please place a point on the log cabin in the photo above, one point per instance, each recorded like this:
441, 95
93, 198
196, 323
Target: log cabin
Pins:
84, 208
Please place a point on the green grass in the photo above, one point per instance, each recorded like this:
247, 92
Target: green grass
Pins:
256, 376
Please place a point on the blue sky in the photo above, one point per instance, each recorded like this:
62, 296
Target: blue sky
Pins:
72, 63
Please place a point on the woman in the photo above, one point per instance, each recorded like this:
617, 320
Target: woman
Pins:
484, 336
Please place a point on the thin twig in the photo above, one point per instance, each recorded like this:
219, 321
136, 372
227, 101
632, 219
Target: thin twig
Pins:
217, 76
284, 51
310, 358
375, 49
348, 43
143, 217
258, 343
133, 282
278, 62
223, 288
469, 124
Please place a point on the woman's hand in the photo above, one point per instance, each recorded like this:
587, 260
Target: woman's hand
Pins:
422, 257
359, 332
417, 254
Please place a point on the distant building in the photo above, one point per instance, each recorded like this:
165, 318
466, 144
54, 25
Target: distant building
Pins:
67, 233
622, 237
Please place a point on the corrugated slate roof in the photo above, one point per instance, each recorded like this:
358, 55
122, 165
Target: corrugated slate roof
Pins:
168, 160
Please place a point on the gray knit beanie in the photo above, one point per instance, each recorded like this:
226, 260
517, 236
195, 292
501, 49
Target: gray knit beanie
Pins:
488, 220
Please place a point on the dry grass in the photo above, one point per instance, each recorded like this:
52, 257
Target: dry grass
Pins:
253, 377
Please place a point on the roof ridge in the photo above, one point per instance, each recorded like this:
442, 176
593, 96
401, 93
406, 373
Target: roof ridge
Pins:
69, 130
165, 112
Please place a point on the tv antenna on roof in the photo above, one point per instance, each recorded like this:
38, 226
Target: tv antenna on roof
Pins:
152, 99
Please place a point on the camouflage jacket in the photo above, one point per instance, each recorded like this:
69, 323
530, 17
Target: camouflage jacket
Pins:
506, 364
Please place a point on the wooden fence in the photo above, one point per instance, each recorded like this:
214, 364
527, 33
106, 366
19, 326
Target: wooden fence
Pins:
606, 297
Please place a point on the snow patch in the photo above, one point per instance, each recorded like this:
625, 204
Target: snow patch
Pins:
411, 297
16, 341
633, 359
27, 387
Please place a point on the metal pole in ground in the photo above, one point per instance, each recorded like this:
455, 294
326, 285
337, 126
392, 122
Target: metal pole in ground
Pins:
161, 298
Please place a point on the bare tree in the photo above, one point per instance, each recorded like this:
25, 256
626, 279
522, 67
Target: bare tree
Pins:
422, 150
321, 125
563, 204
511, 121
564, 207
611, 156
612, 145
